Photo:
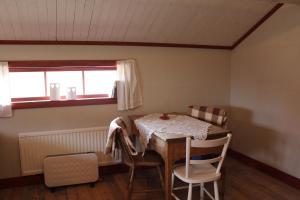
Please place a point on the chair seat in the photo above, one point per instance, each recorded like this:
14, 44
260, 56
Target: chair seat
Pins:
197, 173
150, 158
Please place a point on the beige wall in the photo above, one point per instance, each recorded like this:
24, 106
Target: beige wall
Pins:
262, 83
265, 92
173, 78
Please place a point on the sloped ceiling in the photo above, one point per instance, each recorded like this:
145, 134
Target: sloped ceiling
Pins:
196, 22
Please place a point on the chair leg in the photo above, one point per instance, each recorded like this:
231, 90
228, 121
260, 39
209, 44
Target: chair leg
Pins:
216, 190
160, 177
129, 176
201, 191
190, 191
130, 185
172, 183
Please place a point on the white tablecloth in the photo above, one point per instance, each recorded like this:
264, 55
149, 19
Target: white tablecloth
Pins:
176, 126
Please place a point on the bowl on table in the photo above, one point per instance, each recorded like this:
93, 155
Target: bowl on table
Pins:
164, 116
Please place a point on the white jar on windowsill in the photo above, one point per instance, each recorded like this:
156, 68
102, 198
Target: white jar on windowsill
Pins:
71, 93
54, 91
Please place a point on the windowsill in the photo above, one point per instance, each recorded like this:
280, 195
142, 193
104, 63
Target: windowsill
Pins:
62, 103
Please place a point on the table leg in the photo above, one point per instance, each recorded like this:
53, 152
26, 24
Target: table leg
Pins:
168, 172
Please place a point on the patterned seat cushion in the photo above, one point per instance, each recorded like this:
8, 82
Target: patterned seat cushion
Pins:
209, 114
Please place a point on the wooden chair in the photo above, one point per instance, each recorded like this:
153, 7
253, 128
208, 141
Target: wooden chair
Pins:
202, 171
150, 159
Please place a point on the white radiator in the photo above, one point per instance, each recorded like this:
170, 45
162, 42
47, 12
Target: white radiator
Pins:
35, 146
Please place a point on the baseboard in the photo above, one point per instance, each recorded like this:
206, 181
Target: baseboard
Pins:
39, 178
282, 176
21, 181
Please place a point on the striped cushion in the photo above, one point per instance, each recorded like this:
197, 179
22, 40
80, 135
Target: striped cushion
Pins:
212, 115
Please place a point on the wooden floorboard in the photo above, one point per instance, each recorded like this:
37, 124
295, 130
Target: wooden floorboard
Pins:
242, 183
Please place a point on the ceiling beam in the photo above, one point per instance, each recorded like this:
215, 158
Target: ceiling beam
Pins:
111, 43
287, 1
257, 24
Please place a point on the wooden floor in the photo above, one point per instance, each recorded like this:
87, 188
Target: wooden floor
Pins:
242, 183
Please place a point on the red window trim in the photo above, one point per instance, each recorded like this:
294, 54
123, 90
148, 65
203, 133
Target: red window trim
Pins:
62, 68
62, 65
79, 97
59, 63
63, 103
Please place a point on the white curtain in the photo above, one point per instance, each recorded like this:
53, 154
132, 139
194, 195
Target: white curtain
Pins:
5, 101
129, 91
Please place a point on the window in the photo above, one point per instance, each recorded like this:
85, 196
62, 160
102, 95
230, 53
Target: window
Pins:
30, 82
27, 84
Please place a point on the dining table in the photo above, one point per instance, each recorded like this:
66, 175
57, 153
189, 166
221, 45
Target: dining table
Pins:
166, 140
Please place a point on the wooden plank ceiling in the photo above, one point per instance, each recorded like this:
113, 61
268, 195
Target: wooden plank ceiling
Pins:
200, 22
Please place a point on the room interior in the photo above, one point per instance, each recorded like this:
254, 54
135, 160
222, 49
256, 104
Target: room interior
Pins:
239, 55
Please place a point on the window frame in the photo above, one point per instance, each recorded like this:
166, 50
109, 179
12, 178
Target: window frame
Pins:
61, 65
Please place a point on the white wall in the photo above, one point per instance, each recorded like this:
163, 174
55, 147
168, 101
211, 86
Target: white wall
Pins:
173, 78
265, 92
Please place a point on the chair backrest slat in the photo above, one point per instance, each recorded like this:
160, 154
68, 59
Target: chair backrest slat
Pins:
121, 141
126, 155
206, 161
209, 143
194, 143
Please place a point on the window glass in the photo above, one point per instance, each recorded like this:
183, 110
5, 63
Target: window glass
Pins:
65, 79
99, 82
27, 84
37, 84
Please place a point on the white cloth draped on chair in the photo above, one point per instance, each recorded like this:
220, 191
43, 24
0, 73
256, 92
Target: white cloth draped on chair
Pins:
5, 100
129, 92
